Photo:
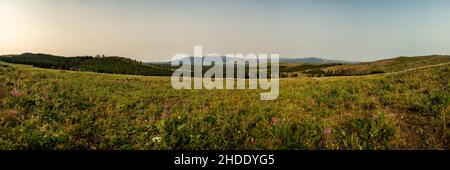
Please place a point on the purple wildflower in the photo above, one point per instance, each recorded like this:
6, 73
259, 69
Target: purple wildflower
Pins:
327, 131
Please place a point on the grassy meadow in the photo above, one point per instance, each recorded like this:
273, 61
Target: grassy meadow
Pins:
390, 65
54, 109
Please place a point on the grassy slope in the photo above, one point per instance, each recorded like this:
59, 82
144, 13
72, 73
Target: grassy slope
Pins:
394, 64
51, 109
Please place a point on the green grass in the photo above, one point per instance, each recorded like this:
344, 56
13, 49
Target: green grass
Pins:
387, 65
51, 109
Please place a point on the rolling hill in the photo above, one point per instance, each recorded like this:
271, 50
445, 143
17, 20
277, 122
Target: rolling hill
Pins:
289, 67
61, 110
116, 65
385, 66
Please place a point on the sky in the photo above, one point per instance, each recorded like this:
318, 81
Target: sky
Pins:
155, 30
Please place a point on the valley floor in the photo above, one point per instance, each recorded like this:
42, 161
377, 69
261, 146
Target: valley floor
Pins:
52, 109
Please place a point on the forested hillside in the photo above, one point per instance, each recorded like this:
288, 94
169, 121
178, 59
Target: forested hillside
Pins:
100, 64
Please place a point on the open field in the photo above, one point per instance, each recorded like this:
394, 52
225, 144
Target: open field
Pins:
53, 109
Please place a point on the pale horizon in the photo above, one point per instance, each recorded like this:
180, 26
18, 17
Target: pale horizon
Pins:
156, 30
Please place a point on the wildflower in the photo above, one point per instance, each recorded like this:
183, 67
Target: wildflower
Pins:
156, 139
165, 115
274, 120
327, 131
15, 92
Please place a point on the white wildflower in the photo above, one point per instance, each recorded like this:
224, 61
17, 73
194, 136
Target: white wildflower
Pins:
156, 139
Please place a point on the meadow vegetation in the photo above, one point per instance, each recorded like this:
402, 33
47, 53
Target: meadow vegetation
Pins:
54, 109
384, 66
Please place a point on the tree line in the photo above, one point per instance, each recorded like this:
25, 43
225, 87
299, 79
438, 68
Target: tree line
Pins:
99, 63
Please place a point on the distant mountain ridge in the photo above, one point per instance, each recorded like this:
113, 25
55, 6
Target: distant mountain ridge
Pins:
307, 60
313, 60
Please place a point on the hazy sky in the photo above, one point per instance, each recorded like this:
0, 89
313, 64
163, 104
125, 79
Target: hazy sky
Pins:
357, 30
